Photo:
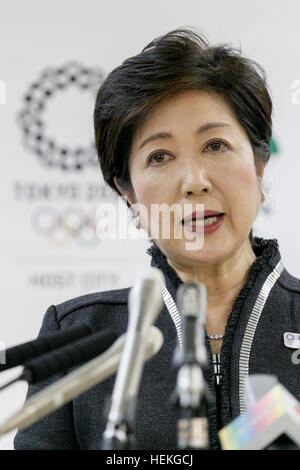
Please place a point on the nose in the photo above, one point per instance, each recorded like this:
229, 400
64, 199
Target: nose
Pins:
195, 180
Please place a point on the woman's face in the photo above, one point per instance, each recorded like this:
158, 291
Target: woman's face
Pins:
214, 167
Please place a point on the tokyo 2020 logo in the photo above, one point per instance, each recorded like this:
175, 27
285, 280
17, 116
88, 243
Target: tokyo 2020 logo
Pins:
32, 116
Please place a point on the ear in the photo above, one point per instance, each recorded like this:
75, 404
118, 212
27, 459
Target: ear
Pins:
126, 193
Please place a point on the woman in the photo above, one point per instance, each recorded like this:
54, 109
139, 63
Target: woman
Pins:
186, 124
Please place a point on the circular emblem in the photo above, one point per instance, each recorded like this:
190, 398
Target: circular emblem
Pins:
32, 116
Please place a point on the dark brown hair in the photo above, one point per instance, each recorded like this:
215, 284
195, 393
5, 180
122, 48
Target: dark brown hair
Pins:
179, 60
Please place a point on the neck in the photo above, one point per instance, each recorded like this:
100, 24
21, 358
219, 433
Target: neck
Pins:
223, 280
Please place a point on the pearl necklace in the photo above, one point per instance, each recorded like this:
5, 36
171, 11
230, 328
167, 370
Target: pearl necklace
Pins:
215, 336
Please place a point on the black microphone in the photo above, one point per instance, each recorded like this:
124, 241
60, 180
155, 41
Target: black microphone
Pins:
192, 397
17, 355
65, 357
191, 301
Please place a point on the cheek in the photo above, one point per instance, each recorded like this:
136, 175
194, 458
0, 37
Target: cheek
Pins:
151, 197
143, 193
242, 191
250, 189
145, 197
148, 192
246, 196
248, 179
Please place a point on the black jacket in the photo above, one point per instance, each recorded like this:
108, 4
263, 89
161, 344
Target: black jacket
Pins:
267, 306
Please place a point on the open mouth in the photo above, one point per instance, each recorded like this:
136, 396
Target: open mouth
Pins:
208, 220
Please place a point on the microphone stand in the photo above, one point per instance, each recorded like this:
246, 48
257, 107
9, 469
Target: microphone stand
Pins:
191, 400
119, 435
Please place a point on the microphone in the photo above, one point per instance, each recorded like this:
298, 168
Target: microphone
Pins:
191, 302
272, 419
192, 396
65, 357
17, 355
145, 303
64, 390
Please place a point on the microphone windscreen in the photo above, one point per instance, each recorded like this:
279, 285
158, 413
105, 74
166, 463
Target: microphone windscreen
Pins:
17, 355
68, 356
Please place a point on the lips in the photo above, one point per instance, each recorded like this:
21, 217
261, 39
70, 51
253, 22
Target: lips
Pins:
199, 215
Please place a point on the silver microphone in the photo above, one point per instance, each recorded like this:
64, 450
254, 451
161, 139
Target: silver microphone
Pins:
77, 382
145, 303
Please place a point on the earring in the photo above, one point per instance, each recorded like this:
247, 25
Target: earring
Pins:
260, 185
137, 221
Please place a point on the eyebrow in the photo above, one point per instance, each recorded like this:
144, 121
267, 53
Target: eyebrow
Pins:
168, 135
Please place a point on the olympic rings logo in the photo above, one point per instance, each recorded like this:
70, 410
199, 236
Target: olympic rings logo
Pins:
61, 228
32, 121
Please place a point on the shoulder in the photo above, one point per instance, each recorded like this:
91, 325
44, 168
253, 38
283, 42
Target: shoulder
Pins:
289, 282
109, 300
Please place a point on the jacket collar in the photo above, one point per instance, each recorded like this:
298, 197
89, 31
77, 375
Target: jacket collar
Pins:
266, 251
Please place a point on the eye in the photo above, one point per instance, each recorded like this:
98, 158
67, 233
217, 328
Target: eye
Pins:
216, 145
155, 155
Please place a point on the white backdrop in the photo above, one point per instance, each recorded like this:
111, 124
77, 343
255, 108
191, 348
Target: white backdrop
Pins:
48, 253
